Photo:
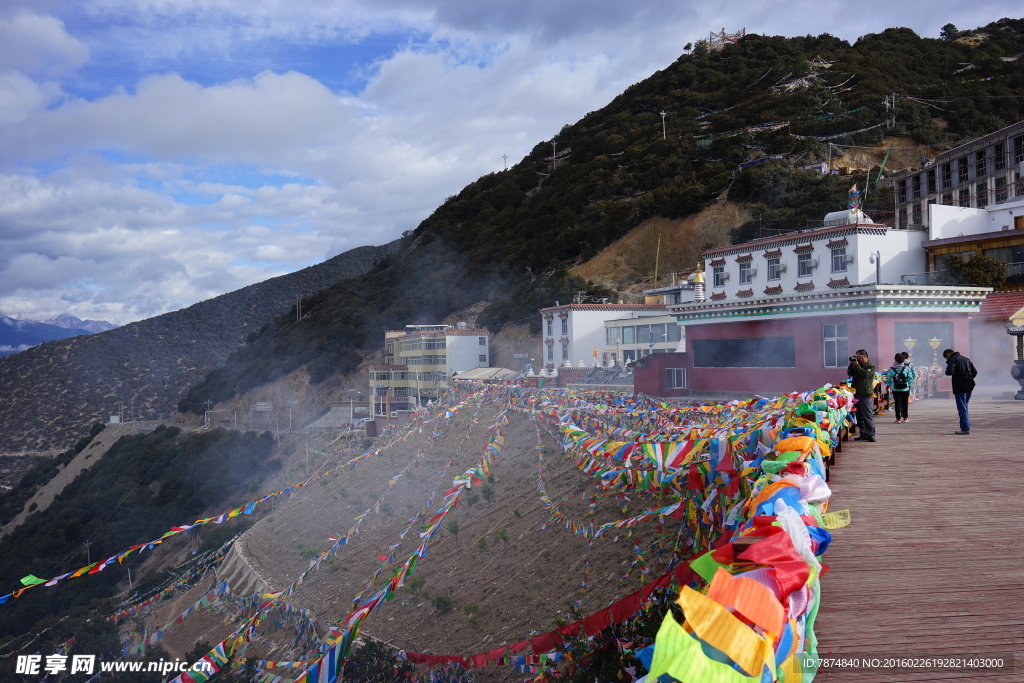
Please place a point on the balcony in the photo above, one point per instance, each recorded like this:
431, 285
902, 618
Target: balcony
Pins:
1014, 274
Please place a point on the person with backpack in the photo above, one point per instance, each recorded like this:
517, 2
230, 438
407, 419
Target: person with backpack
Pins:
963, 372
900, 377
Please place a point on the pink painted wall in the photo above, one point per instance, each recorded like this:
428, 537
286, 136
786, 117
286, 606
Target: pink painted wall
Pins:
876, 333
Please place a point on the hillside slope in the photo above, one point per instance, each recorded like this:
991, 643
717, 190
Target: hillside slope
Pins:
510, 238
53, 390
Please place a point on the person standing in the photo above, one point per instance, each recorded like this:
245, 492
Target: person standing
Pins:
963, 372
900, 377
862, 372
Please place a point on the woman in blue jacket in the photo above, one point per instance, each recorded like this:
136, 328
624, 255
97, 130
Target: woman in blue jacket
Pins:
900, 377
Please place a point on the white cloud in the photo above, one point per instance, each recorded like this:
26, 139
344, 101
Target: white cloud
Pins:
163, 191
38, 44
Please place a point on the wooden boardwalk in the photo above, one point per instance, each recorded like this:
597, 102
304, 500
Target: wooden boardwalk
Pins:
933, 562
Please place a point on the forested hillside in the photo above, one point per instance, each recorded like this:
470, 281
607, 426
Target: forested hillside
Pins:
509, 237
52, 392
143, 486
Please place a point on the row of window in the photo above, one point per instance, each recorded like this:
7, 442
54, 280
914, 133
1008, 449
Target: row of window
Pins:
565, 327
981, 163
1000, 189
402, 375
425, 360
642, 334
805, 265
423, 344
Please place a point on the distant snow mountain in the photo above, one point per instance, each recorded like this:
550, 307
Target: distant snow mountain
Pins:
70, 322
18, 335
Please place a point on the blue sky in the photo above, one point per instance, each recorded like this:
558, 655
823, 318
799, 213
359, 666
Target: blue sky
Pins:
155, 153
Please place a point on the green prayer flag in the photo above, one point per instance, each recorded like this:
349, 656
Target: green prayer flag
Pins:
32, 580
706, 566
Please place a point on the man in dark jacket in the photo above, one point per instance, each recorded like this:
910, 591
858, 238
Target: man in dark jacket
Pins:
863, 374
963, 372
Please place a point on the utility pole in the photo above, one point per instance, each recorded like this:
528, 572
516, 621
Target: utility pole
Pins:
505, 157
867, 182
663, 136
307, 458
657, 258
554, 155
129, 578
88, 555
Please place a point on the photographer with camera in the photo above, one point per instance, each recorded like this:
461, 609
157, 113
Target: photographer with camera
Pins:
862, 372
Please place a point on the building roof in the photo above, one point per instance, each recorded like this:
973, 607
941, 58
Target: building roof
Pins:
451, 332
603, 307
798, 236
976, 237
1001, 305
480, 374
389, 367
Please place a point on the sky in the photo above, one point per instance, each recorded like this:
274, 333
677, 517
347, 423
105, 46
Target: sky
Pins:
156, 153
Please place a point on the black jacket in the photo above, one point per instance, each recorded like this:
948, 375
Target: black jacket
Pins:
963, 372
863, 378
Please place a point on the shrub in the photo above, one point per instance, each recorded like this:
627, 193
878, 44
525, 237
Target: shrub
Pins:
481, 543
442, 603
415, 584
487, 491
502, 536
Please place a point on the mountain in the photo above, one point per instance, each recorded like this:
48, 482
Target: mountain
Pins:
53, 391
68, 321
18, 335
509, 238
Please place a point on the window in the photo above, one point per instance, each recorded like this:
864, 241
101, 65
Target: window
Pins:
551, 351
675, 378
1018, 149
834, 337
964, 198
980, 168
628, 356
999, 156
746, 272
774, 267
651, 334
613, 335
720, 276
916, 180
401, 392
902, 213
1001, 192
483, 357
982, 195
804, 264
931, 181
551, 332
482, 341
565, 351
839, 256
947, 199
673, 332
627, 335
963, 170
565, 326
902, 190
748, 352
915, 211
947, 176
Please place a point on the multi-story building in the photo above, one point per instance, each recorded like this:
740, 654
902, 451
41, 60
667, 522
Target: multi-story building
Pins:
639, 335
420, 360
770, 323
677, 293
975, 175
572, 333
850, 249
997, 231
